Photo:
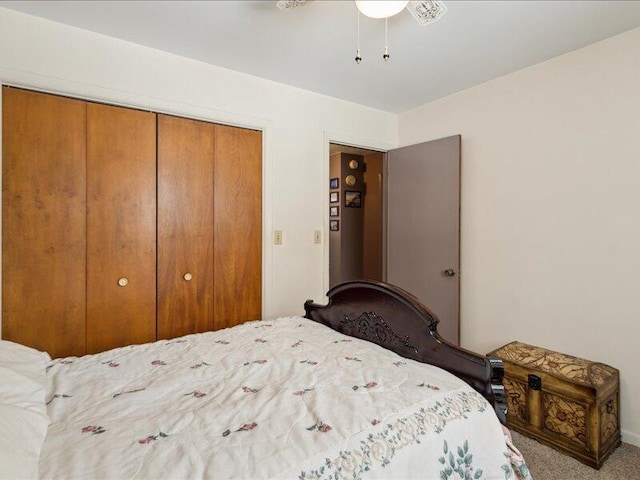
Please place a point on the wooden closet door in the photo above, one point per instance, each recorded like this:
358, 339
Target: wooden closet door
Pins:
121, 227
237, 226
43, 216
185, 226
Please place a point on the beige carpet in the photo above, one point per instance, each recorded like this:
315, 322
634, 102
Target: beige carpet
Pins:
548, 464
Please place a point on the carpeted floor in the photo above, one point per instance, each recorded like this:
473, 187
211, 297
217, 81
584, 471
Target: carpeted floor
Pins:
548, 464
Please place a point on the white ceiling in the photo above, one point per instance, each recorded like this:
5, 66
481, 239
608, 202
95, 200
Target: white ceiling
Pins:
313, 47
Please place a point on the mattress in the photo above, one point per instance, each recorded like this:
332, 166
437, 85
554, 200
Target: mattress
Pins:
286, 398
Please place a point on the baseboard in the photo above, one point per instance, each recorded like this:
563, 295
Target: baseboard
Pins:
630, 437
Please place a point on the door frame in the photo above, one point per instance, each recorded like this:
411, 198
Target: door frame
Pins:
355, 142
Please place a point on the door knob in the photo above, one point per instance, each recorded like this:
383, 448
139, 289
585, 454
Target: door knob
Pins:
123, 282
449, 272
187, 276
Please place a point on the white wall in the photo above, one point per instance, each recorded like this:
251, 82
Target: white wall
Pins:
551, 207
297, 127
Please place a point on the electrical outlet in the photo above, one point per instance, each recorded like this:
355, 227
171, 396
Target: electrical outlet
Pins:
317, 237
277, 237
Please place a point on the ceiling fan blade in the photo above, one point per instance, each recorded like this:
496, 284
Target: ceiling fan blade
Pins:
427, 11
290, 4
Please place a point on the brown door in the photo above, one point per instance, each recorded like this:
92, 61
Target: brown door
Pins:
185, 226
351, 228
237, 226
121, 227
372, 237
423, 236
43, 216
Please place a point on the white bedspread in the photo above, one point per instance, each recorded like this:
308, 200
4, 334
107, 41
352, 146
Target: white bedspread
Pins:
287, 398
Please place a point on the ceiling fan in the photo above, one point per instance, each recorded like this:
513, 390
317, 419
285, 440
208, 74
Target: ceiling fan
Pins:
425, 11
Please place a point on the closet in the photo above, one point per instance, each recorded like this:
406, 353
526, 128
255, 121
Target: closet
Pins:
123, 226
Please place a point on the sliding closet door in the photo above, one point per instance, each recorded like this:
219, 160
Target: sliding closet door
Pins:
237, 226
185, 226
43, 210
121, 227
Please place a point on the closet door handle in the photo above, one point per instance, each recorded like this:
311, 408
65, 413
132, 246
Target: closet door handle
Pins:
187, 276
123, 281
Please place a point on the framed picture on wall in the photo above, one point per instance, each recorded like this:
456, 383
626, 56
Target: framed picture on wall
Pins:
334, 211
352, 199
334, 183
334, 225
333, 197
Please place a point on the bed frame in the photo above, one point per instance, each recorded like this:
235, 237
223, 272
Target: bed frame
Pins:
396, 320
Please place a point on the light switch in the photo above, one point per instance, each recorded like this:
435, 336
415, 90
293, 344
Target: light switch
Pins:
317, 237
277, 237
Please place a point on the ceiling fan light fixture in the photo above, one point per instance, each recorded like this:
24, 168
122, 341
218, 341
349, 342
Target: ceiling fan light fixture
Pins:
381, 9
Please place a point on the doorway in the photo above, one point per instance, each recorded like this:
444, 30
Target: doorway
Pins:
356, 214
395, 216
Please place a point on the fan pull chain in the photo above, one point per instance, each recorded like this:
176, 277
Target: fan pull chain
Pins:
385, 56
358, 57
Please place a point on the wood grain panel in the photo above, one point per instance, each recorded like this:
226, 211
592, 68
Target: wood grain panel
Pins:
43, 215
121, 226
237, 226
185, 226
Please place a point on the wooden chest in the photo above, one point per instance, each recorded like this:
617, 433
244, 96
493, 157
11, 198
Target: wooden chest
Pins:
565, 402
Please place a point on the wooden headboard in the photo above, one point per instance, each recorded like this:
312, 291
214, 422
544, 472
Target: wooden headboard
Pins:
394, 319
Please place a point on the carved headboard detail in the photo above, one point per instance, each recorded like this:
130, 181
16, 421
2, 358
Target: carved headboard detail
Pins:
394, 319
372, 327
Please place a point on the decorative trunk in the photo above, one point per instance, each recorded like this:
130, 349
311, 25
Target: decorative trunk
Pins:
566, 402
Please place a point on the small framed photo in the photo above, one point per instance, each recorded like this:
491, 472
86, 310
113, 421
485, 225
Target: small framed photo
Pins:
333, 197
352, 199
334, 211
334, 225
334, 183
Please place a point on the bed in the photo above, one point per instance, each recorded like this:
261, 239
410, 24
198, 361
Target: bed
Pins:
362, 387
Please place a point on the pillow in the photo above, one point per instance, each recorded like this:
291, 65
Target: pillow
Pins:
22, 433
23, 411
26, 360
18, 389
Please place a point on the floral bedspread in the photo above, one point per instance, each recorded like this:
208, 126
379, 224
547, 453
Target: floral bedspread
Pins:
287, 398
